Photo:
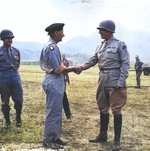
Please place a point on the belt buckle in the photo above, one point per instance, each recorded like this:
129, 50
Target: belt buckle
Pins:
105, 71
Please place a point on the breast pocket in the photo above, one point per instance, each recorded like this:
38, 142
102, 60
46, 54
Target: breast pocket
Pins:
111, 53
16, 56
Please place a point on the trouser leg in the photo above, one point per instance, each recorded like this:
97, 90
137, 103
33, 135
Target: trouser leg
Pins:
117, 131
18, 117
17, 97
18, 107
5, 110
137, 78
5, 95
103, 104
138, 74
54, 89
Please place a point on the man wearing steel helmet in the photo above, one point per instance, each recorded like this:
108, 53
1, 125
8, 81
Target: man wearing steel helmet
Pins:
113, 61
10, 82
53, 85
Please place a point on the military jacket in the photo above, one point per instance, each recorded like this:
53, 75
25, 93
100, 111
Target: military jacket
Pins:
9, 60
138, 65
112, 54
50, 58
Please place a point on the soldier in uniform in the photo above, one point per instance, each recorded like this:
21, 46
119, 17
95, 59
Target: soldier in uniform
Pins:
10, 82
138, 68
53, 85
113, 61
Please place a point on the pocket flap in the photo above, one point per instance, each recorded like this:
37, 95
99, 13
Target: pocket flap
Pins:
110, 50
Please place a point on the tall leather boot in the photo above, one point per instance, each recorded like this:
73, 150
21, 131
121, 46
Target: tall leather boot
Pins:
117, 129
18, 117
5, 110
102, 137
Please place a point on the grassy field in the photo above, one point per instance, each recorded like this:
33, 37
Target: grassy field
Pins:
84, 124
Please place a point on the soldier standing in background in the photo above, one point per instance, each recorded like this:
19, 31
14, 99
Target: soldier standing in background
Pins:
138, 68
66, 64
53, 85
113, 61
10, 82
65, 98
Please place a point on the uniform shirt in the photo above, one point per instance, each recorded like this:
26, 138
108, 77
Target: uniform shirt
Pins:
50, 57
9, 62
138, 65
112, 54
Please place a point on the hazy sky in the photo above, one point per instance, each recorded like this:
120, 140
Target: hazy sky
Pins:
29, 18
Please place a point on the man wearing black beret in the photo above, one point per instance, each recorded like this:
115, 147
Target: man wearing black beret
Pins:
53, 85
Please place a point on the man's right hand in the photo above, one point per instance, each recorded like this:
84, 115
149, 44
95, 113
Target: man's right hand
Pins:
78, 70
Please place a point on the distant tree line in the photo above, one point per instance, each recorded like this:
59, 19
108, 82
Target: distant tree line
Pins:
30, 63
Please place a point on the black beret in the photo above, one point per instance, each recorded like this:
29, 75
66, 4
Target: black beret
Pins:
54, 27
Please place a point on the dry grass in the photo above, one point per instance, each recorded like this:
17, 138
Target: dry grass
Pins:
84, 124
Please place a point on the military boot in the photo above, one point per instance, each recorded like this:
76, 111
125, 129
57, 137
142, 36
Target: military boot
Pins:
117, 129
7, 120
52, 145
18, 117
60, 142
5, 110
137, 86
102, 137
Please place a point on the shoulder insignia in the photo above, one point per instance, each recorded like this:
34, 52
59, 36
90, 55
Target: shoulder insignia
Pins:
51, 48
124, 46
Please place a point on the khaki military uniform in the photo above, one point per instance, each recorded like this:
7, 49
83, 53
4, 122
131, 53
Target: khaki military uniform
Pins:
113, 61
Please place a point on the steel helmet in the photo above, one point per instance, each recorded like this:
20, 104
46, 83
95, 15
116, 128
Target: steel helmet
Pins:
108, 25
6, 33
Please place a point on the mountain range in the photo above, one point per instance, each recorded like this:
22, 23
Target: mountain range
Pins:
80, 48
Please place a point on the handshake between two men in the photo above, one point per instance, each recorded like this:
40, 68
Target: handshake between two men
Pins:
75, 69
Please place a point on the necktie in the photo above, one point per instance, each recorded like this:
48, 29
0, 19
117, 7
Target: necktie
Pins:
9, 54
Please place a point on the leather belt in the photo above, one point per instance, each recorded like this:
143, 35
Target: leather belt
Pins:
103, 69
106, 71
